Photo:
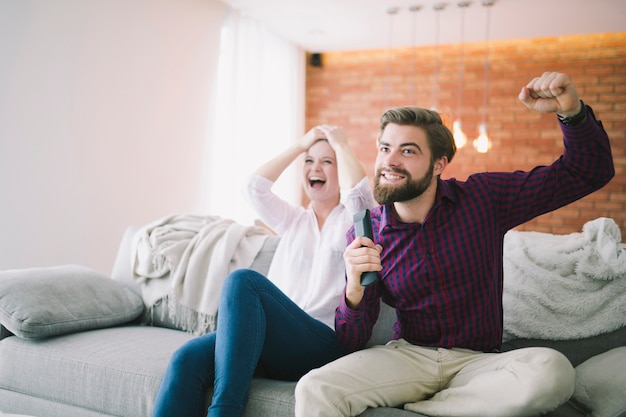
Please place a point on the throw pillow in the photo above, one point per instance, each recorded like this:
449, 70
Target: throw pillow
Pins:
42, 302
600, 383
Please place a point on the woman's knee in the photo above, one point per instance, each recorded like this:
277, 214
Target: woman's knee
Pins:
241, 279
242, 286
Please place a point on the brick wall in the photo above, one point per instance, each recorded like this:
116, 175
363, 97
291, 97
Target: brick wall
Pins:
353, 88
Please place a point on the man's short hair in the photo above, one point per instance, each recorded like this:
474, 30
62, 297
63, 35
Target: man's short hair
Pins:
440, 138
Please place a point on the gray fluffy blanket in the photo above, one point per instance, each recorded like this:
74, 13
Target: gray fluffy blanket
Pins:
564, 286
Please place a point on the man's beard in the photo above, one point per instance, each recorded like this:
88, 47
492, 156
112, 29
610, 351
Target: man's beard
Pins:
388, 194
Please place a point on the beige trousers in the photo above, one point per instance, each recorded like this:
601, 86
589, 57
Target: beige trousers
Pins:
438, 382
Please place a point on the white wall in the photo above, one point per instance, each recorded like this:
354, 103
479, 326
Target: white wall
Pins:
103, 107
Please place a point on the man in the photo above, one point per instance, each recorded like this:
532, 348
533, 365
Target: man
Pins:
439, 252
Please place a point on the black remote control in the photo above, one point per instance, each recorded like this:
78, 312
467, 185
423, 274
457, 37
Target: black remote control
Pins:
363, 227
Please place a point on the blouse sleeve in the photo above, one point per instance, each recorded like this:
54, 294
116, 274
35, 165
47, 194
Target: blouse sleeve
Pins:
358, 198
275, 212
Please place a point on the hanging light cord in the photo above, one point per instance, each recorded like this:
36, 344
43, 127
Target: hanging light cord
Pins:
414, 10
486, 91
461, 62
390, 12
435, 92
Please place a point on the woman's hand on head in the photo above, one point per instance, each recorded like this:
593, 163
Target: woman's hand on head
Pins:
336, 136
310, 138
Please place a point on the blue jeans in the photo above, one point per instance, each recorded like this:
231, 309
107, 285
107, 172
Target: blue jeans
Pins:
258, 327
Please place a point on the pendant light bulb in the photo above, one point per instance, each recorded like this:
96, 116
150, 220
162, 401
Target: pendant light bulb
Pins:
482, 143
460, 138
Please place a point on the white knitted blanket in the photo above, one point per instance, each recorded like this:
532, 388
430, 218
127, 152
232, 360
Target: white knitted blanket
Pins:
564, 286
183, 259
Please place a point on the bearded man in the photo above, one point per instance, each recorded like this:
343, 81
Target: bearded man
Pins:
439, 250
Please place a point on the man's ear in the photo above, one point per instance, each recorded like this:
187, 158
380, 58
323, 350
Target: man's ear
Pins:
440, 165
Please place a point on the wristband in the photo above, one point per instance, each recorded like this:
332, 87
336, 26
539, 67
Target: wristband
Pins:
576, 119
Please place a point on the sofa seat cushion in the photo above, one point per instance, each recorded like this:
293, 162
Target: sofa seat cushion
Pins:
113, 371
43, 302
270, 398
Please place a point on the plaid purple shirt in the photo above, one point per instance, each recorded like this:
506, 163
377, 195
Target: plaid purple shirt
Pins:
444, 277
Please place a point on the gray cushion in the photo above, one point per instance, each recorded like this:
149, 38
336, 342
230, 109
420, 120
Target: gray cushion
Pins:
41, 302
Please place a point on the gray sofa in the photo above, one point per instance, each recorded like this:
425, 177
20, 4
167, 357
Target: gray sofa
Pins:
72, 344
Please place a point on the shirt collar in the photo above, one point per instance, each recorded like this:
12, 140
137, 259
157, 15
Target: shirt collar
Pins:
446, 190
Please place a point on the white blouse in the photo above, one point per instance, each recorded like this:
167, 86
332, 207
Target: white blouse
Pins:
308, 263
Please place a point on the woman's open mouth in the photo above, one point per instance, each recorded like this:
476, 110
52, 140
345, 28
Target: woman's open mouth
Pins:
316, 182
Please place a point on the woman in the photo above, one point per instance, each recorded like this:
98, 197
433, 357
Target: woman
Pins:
281, 326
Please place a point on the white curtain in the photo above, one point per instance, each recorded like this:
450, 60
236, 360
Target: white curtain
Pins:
258, 111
